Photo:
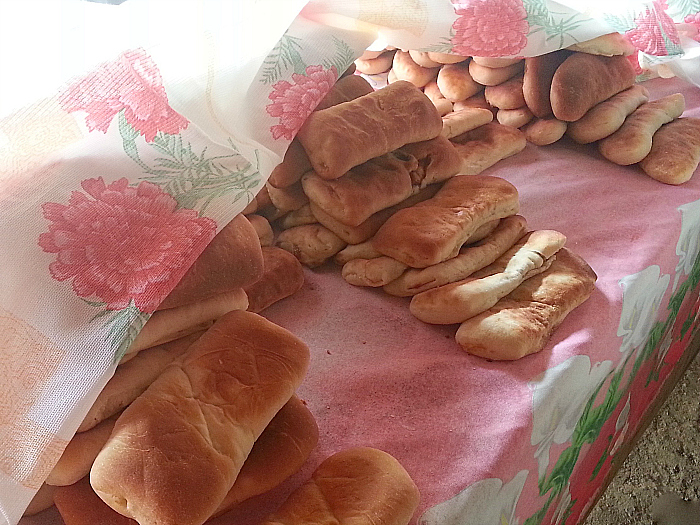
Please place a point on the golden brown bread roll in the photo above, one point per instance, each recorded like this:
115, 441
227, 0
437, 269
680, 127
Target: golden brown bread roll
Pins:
175, 323
42, 500
295, 162
285, 443
133, 377
406, 69
434, 230
514, 118
365, 230
373, 272
496, 61
470, 259
287, 199
312, 244
77, 458
422, 58
456, 83
492, 76
675, 152
460, 300
343, 136
484, 146
365, 189
633, 141
606, 118
375, 65
537, 80
296, 218
466, 119
263, 228
522, 322
545, 131
508, 95
279, 452
360, 486
606, 45
584, 80
437, 158
176, 451
231, 260
283, 276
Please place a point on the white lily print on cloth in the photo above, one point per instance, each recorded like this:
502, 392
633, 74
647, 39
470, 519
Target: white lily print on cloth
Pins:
486, 502
560, 513
641, 296
559, 397
688, 247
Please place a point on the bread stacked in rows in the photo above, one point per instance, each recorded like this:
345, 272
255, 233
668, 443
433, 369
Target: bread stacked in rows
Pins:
201, 414
586, 91
396, 195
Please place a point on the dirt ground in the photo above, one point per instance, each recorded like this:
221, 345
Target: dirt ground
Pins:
666, 460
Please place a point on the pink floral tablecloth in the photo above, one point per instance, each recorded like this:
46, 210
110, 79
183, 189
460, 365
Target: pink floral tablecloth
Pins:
166, 125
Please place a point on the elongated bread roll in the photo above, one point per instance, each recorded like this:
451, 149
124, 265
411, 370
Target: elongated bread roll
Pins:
606, 118
467, 119
537, 80
176, 450
484, 146
434, 230
283, 276
312, 244
262, 227
133, 377
279, 452
522, 322
175, 323
359, 486
372, 186
295, 162
231, 260
365, 230
297, 218
77, 458
287, 199
42, 500
456, 83
675, 152
458, 301
469, 260
438, 160
508, 95
405, 68
339, 138
285, 443
545, 131
374, 272
632, 142
493, 76
584, 80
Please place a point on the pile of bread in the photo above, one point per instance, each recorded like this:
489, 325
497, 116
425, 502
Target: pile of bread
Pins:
201, 413
396, 195
586, 92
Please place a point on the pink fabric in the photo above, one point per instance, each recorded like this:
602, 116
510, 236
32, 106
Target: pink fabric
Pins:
378, 377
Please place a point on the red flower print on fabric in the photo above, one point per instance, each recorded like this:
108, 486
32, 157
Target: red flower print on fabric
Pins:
131, 84
293, 103
489, 28
123, 243
694, 20
652, 25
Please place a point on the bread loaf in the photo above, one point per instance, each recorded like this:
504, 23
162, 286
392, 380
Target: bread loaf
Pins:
360, 486
537, 81
675, 152
283, 276
522, 322
434, 230
584, 80
176, 450
231, 260
339, 138
312, 244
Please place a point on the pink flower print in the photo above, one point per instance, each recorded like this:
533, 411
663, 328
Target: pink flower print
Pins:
693, 20
652, 25
122, 243
293, 103
634, 60
489, 28
131, 84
